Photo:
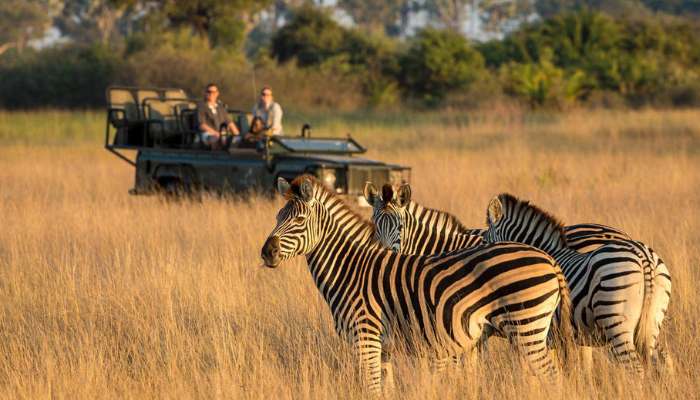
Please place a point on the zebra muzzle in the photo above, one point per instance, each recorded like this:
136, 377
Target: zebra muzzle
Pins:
271, 252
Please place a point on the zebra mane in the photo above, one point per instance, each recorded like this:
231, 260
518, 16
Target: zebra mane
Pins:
449, 217
324, 195
512, 204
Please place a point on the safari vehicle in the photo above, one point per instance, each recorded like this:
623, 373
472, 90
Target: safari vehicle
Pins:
160, 125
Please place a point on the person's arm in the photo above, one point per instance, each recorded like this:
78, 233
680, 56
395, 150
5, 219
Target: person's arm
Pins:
227, 120
276, 119
233, 128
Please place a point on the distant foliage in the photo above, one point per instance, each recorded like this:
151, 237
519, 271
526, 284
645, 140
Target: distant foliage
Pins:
438, 62
311, 37
642, 60
58, 77
542, 83
582, 57
314, 39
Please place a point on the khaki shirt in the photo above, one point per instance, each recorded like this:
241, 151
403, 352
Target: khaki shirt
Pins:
271, 116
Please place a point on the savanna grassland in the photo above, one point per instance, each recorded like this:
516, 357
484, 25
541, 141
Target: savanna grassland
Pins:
106, 295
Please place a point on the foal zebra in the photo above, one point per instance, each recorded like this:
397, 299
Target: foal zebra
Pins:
444, 301
406, 226
620, 291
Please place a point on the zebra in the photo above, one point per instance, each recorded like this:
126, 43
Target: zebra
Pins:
406, 226
620, 291
585, 238
376, 295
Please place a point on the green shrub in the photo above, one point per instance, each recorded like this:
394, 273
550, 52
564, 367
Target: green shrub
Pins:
71, 76
438, 62
542, 83
310, 37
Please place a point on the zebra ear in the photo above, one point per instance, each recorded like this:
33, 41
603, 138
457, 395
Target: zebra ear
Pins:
306, 190
403, 196
370, 192
494, 212
282, 186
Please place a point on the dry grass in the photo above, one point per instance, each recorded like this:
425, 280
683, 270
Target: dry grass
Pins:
103, 295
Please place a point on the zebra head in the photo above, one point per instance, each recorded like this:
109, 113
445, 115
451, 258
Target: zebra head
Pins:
297, 230
511, 219
388, 213
494, 221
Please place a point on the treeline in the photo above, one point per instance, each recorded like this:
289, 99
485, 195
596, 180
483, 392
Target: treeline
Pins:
572, 58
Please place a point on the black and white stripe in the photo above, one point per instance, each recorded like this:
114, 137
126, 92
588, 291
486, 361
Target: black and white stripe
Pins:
411, 228
620, 290
443, 301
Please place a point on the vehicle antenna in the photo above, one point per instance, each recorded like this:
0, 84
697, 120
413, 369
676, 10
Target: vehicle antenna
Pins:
255, 88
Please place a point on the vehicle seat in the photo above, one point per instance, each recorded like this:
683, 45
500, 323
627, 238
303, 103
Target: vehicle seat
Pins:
123, 114
171, 94
145, 94
164, 126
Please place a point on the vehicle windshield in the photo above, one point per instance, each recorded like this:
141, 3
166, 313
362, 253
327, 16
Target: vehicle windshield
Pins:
322, 145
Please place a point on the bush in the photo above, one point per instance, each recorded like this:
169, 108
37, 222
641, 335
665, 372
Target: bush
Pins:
71, 76
438, 62
542, 83
311, 37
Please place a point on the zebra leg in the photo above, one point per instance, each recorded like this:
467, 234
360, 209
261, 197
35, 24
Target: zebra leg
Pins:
533, 349
623, 348
369, 349
439, 364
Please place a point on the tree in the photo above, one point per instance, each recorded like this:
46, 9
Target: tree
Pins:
225, 22
92, 20
451, 13
21, 21
312, 36
437, 62
376, 15
542, 83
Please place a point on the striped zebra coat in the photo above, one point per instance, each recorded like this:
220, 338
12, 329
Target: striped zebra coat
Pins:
443, 301
410, 228
620, 290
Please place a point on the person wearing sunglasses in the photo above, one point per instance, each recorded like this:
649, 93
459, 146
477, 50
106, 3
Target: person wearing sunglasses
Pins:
214, 120
269, 111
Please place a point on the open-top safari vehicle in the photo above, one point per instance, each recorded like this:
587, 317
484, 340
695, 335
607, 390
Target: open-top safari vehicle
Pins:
160, 125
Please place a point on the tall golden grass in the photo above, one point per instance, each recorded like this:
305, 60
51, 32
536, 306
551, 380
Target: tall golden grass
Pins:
105, 295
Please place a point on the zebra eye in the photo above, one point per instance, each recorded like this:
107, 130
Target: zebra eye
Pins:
300, 219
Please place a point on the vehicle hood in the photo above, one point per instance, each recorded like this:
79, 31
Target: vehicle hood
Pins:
332, 159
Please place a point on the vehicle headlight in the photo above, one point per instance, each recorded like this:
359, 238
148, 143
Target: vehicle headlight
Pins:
328, 178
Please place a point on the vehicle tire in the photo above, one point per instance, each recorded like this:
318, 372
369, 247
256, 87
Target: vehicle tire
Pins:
171, 187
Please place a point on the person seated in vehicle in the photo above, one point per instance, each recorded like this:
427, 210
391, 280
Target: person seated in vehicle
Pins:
256, 133
213, 117
270, 114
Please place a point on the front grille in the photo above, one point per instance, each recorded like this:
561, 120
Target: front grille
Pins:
357, 176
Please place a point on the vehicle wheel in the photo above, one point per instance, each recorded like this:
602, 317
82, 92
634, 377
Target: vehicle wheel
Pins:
171, 187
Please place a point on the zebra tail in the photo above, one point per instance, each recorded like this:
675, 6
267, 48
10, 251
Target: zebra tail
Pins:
565, 325
655, 301
565, 328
